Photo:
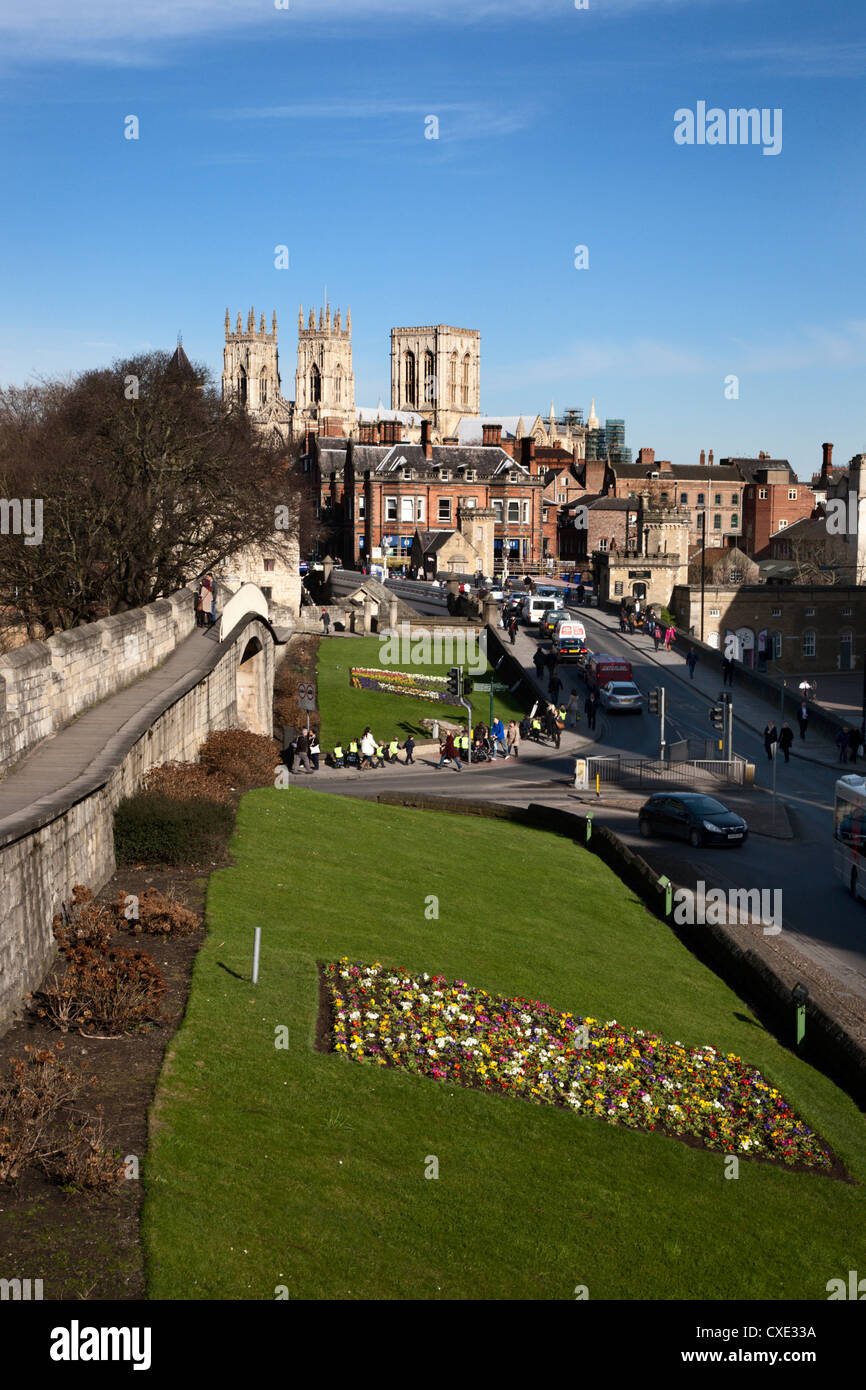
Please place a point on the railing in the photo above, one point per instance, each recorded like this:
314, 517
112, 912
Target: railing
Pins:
647, 772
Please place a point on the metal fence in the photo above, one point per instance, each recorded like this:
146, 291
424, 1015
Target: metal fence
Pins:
650, 772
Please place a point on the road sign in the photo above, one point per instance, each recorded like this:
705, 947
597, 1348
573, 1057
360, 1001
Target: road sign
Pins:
306, 695
485, 687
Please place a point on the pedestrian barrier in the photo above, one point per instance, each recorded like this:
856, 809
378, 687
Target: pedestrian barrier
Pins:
651, 772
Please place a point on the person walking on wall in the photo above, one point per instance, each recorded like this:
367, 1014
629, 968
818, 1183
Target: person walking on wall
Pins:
691, 662
206, 603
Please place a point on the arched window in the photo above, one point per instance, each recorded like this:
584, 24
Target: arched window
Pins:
242, 386
411, 380
429, 379
452, 379
315, 385
467, 367
338, 386
263, 386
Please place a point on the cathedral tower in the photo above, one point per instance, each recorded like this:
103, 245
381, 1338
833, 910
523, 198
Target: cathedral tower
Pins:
436, 371
251, 372
325, 380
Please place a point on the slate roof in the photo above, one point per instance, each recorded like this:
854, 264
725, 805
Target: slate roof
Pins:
384, 460
431, 541
684, 473
750, 468
469, 428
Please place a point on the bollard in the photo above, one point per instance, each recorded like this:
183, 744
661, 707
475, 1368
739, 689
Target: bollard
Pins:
588, 826
257, 942
668, 888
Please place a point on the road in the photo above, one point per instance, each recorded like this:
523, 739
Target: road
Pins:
819, 916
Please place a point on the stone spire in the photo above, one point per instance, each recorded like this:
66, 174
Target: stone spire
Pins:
251, 320
262, 329
321, 319
300, 318
228, 324
311, 322
239, 328
274, 324
349, 320
592, 422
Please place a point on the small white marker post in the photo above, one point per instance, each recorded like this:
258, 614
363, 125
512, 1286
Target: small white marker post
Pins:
257, 942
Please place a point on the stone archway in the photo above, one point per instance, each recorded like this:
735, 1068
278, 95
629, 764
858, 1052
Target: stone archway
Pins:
254, 713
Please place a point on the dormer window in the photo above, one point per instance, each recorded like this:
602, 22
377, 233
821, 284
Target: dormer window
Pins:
470, 475
445, 474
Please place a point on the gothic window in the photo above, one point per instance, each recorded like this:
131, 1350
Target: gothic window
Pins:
263, 387
467, 365
411, 380
315, 385
452, 379
338, 386
429, 379
242, 386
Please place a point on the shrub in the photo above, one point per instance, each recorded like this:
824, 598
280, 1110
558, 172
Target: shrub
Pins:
247, 759
82, 1160
41, 1088
188, 782
159, 915
106, 992
153, 828
84, 921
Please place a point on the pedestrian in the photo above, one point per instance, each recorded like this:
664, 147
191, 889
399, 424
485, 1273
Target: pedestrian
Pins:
551, 728
199, 620
498, 732
670, 638
590, 709
581, 593
554, 686
314, 749
409, 750
770, 737
656, 636
391, 751
842, 744
448, 754
289, 754
786, 738
854, 743
538, 662
691, 662
512, 629
512, 739
571, 709
206, 603
803, 719
326, 621
302, 756
623, 619
368, 749
727, 670
631, 624
212, 615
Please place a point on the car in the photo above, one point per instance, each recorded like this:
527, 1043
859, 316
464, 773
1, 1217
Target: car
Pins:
692, 816
548, 625
623, 696
534, 609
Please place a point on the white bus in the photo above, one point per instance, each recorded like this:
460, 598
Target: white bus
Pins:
849, 833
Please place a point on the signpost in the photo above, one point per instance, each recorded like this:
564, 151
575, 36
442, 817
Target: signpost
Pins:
307, 699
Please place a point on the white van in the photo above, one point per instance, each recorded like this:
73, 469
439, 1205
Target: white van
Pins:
534, 608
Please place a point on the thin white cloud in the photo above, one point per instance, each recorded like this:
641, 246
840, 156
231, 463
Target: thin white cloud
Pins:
112, 32
456, 120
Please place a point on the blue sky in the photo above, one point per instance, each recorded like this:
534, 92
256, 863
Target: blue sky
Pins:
305, 126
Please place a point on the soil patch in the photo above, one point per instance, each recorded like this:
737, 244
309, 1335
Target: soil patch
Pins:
88, 1247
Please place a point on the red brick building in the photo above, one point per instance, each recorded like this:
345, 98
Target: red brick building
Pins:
773, 499
378, 491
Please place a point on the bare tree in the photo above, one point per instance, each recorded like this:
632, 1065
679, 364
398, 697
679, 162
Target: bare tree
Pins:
145, 480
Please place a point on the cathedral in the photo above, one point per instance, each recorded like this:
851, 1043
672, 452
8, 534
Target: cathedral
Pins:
435, 378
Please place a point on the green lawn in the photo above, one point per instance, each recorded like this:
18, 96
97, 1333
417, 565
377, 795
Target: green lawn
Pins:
300, 1169
345, 712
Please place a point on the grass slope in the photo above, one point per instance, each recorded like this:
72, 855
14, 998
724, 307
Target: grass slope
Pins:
345, 712
292, 1168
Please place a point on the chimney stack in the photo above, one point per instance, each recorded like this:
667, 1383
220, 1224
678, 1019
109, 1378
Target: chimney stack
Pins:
527, 451
710, 461
703, 459
426, 443
827, 462
646, 457
491, 436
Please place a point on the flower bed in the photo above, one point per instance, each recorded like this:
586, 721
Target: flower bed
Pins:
452, 1032
400, 683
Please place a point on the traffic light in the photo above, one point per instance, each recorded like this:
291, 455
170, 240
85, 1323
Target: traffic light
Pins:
455, 682
467, 686
653, 701
717, 717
